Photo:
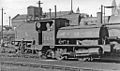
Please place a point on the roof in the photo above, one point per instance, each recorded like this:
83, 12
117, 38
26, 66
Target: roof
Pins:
32, 7
20, 17
18, 20
5, 28
60, 13
73, 17
44, 20
24, 16
81, 27
9, 32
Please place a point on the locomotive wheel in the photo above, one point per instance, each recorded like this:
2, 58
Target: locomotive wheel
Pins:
90, 59
66, 57
85, 59
60, 57
43, 57
58, 54
100, 51
44, 52
50, 54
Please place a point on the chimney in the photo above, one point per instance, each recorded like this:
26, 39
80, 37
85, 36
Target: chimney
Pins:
40, 9
55, 12
50, 12
99, 17
71, 6
10, 21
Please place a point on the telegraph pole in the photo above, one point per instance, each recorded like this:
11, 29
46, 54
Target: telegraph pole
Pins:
39, 31
50, 12
2, 26
104, 14
101, 14
71, 6
55, 11
9, 21
39, 4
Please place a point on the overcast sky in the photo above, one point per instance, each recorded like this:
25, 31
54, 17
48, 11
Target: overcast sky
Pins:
14, 7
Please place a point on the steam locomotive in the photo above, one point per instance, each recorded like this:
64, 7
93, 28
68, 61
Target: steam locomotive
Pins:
60, 40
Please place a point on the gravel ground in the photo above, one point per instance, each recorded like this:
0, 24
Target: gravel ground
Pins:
19, 68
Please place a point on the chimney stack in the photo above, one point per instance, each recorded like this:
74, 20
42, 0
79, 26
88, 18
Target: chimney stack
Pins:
55, 12
71, 7
50, 12
39, 4
9, 21
99, 17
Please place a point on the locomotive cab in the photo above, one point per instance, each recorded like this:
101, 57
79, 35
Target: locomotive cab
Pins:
47, 32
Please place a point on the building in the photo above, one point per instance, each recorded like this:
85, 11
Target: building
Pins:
8, 33
94, 20
114, 18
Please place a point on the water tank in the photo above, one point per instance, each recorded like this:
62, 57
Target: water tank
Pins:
34, 12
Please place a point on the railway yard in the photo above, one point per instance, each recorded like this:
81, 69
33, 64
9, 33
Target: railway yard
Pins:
65, 41
62, 47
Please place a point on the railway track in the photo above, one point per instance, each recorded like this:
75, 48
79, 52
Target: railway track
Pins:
60, 65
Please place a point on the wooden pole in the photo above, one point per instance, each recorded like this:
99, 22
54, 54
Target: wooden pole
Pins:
2, 25
55, 12
101, 13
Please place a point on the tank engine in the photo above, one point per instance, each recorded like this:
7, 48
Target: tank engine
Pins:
61, 41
